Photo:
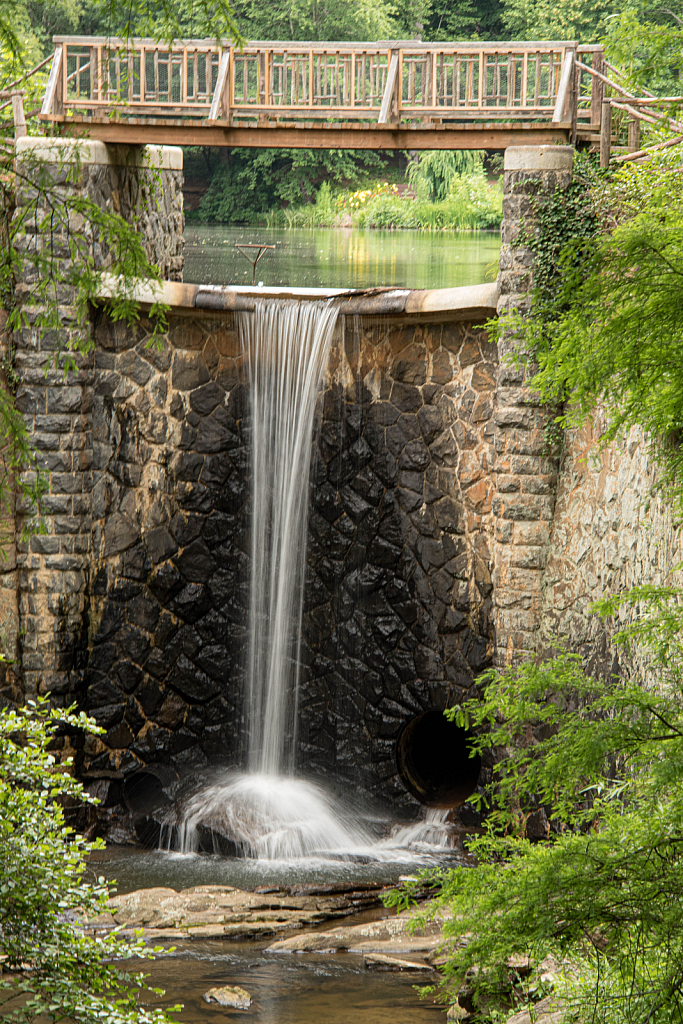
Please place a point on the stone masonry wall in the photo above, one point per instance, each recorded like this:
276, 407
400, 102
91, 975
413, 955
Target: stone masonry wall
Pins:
610, 533
398, 587
398, 592
524, 473
144, 186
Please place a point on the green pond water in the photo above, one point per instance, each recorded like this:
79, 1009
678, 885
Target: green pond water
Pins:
342, 257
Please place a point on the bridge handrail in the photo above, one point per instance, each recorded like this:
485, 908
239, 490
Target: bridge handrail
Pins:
387, 82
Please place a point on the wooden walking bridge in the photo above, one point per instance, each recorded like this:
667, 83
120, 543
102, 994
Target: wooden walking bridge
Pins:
381, 95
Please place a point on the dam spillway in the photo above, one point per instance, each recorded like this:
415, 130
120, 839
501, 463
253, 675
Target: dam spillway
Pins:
434, 539
166, 674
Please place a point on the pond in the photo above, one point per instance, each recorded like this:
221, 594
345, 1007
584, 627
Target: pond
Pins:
342, 257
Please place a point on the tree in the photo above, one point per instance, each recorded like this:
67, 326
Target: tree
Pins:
600, 903
52, 968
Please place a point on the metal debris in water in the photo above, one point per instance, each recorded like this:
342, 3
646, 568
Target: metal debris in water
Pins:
262, 249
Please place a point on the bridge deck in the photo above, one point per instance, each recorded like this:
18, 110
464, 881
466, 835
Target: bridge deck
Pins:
394, 95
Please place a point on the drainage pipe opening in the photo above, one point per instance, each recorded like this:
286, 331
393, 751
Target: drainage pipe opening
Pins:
434, 763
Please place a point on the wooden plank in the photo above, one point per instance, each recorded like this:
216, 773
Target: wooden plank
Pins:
218, 105
501, 45
388, 89
605, 133
53, 81
389, 138
565, 83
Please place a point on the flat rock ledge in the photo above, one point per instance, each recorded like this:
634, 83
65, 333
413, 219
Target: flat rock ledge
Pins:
389, 936
222, 911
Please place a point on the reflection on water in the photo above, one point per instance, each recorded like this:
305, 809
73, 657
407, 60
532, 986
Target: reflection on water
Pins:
287, 989
343, 257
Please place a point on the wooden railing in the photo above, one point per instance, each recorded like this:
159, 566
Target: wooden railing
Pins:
388, 83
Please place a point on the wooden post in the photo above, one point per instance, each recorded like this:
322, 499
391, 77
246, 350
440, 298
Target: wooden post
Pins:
605, 133
597, 88
634, 134
574, 104
18, 114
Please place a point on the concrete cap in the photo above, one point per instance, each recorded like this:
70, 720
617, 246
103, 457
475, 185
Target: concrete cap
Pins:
92, 151
473, 302
539, 158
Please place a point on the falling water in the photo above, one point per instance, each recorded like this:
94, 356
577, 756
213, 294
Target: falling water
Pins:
287, 345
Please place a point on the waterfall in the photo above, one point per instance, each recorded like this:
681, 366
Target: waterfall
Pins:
266, 812
286, 345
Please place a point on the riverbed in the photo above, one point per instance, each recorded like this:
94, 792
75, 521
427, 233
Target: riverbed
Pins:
342, 257
317, 988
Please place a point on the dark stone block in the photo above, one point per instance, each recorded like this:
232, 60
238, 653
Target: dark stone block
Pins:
196, 563
431, 422
381, 552
187, 466
189, 371
119, 534
128, 674
119, 736
211, 436
216, 470
134, 716
205, 399
192, 602
216, 661
112, 618
355, 505
405, 397
102, 657
102, 694
186, 528
134, 563
415, 455
326, 502
172, 712
107, 715
192, 683
133, 644
165, 583
159, 544
130, 364
144, 612
385, 468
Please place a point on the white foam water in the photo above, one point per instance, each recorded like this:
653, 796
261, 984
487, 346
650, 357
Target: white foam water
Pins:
273, 817
280, 818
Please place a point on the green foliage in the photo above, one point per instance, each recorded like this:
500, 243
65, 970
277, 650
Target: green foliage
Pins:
471, 203
52, 969
470, 19
563, 239
250, 183
436, 171
315, 19
583, 20
604, 896
647, 44
610, 329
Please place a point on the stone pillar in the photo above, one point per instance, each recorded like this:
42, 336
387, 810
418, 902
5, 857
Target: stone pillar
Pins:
525, 468
144, 185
